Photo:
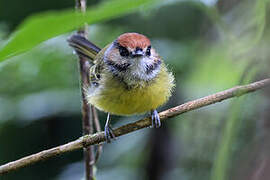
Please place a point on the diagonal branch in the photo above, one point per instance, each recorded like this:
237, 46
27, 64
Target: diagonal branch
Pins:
97, 138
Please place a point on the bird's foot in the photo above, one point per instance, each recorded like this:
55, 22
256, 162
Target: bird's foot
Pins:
155, 119
108, 131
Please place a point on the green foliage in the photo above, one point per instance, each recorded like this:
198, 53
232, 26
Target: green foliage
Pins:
232, 126
44, 26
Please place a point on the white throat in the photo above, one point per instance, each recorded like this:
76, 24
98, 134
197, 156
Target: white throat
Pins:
139, 72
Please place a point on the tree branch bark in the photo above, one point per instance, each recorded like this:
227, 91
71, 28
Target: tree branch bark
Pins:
87, 110
98, 138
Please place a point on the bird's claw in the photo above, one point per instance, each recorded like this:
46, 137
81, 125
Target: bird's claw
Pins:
155, 119
109, 133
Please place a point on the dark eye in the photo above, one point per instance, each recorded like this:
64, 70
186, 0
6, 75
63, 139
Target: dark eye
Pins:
123, 51
148, 51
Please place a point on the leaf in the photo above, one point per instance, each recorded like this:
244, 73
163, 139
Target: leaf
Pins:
43, 26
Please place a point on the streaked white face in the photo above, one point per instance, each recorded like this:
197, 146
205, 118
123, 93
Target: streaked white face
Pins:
143, 66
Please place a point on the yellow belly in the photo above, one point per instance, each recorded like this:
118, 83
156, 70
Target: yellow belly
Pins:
117, 99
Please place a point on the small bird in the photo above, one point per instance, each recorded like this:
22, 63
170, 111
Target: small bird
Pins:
127, 77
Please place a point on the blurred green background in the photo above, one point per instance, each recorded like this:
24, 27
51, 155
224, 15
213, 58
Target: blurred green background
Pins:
210, 45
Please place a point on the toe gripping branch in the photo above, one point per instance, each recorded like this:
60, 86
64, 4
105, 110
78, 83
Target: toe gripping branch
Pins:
155, 119
109, 135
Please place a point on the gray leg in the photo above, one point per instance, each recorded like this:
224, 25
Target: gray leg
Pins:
108, 130
155, 119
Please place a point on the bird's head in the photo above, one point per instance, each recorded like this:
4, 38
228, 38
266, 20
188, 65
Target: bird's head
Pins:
132, 57
133, 45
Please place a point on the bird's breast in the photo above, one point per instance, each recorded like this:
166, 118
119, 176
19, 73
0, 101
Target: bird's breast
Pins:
115, 97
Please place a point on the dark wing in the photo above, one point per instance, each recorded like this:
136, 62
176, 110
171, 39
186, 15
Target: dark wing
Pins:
83, 47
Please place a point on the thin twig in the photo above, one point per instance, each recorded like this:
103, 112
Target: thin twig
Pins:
87, 111
98, 129
98, 138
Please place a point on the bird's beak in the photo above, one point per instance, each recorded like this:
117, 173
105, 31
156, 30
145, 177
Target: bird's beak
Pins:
137, 53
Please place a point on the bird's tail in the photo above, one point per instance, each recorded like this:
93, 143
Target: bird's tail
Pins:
83, 47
